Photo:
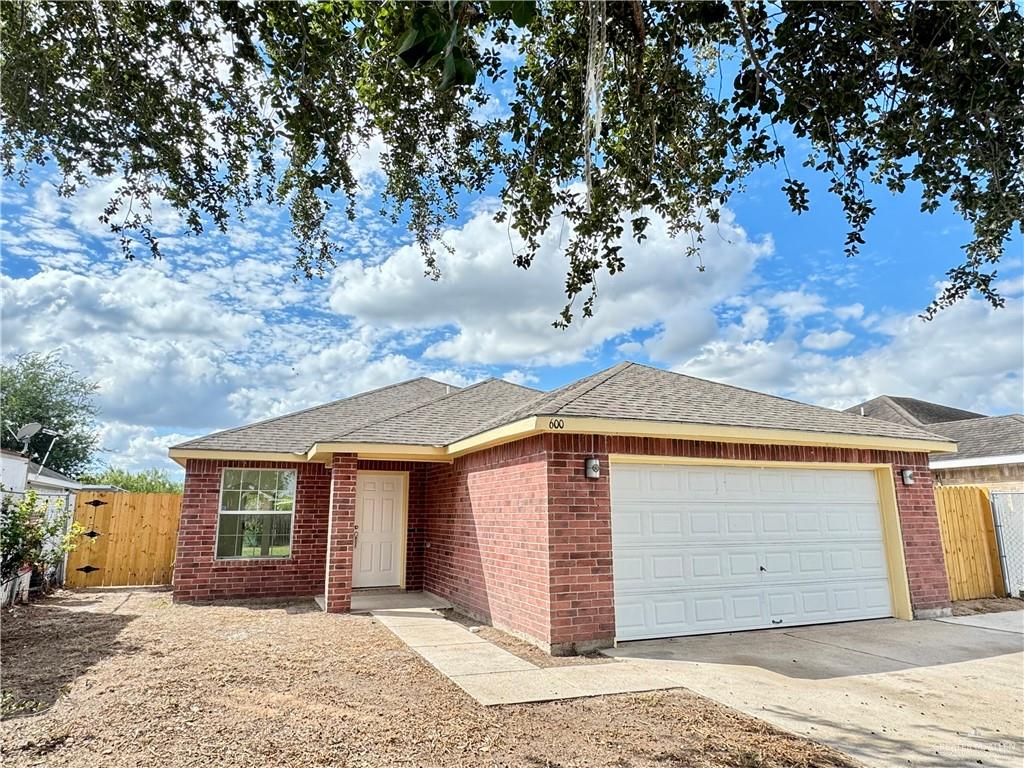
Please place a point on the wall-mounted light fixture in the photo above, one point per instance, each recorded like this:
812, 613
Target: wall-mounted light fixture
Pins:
592, 467
908, 476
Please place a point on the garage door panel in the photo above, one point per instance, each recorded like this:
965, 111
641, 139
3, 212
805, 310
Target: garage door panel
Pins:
671, 567
707, 521
712, 549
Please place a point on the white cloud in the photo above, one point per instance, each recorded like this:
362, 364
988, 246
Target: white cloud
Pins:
487, 311
134, 447
850, 312
822, 341
796, 305
970, 356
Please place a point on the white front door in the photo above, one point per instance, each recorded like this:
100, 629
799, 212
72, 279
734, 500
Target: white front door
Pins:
380, 530
700, 549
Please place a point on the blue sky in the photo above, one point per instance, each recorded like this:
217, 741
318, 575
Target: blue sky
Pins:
218, 334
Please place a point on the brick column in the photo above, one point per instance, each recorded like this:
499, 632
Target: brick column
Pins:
582, 596
340, 534
922, 539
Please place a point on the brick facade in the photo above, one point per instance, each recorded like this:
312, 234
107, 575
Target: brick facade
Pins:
515, 534
486, 536
199, 576
341, 533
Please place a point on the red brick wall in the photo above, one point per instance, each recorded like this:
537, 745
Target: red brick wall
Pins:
922, 540
199, 576
515, 534
580, 546
486, 536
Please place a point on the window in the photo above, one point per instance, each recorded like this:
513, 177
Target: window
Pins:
256, 507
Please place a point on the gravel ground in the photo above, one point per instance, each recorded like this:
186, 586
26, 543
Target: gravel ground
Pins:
987, 605
125, 678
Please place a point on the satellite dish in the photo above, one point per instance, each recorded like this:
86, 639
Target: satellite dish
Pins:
29, 431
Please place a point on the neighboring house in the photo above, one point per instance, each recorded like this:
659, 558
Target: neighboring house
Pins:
633, 503
17, 475
990, 449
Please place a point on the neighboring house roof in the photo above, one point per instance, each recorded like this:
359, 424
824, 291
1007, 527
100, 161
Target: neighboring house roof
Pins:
51, 477
985, 438
640, 392
428, 414
910, 411
295, 432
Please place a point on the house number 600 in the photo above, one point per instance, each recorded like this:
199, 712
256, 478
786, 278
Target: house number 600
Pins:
556, 424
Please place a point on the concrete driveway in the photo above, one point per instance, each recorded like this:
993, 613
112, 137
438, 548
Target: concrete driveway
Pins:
924, 693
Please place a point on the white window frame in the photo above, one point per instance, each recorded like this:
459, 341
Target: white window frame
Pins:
221, 512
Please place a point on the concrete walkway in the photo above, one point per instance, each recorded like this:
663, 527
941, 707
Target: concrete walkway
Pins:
492, 675
887, 692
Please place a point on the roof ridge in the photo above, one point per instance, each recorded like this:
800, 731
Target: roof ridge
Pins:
891, 399
458, 391
498, 421
597, 379
356, 396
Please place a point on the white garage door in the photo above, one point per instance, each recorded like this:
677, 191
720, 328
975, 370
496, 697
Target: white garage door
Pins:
702, 549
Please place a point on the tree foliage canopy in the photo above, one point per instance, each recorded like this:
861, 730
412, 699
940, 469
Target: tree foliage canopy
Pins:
143, 481
612, 112
41, 388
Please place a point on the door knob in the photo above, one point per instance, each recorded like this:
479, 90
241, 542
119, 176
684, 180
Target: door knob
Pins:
763, 569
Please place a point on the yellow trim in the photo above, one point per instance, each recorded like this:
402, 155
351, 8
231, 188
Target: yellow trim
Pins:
180, 455
405, 520
387, 451
517, 430
892, 535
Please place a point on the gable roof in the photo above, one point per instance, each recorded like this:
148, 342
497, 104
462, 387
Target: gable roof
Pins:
296, 432
639, 392
909, 410
35, 471
426, 419
985, 437
445, 419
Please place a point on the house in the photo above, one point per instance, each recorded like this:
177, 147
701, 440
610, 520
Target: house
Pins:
19, 474
633, 503
990, 449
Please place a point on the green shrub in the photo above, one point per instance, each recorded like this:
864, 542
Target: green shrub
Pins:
33, 534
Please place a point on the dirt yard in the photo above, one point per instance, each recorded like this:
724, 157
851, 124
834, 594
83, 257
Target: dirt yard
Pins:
986, 605
123, 678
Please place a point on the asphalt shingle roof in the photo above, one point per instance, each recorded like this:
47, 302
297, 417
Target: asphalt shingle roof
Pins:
296, 432
427, 412
444, 420
988, 436
908, 410
34, 470
633, 391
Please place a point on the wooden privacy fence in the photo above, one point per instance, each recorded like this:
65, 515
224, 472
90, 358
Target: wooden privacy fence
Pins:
129, 539
969, 542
